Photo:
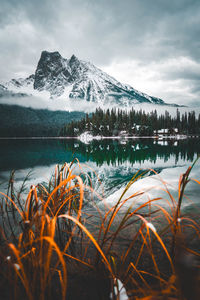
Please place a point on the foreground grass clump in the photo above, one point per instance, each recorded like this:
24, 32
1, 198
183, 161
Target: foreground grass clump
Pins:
59, 244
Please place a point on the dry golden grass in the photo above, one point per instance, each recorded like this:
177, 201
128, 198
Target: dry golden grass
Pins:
51, 236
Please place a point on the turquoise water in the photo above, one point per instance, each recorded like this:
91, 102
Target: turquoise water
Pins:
24, 153
114, 161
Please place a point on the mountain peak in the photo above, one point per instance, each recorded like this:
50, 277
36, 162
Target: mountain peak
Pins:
45, 54
49, 68
73, 58
74, 61
75, 79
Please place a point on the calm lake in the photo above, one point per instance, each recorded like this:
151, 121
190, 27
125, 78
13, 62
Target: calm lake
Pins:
110, 164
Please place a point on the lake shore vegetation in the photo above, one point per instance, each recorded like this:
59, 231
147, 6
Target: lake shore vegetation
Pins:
59, 243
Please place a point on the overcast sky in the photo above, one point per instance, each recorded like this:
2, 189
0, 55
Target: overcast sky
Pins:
153, 45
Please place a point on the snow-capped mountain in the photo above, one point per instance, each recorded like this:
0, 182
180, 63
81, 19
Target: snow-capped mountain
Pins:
5, 92
76, 79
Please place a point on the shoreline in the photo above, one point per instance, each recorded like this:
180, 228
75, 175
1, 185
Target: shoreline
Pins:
178, 137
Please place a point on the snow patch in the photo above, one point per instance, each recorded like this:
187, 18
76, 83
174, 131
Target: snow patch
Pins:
120, 291
86, 137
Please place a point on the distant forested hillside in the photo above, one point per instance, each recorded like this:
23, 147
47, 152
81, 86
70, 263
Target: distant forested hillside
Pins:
17, 121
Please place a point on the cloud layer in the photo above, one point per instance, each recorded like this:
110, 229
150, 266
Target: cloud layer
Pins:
151, 44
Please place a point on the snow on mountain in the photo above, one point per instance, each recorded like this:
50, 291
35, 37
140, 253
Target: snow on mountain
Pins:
6, 93
76, 79
21, 82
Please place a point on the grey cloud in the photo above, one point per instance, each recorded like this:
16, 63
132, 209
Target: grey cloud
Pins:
196, 89
143, 29
184, 74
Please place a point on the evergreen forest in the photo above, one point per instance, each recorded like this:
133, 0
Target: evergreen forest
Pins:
130, 123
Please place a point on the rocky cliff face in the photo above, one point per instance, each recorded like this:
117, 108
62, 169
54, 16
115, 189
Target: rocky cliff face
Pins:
76, 79
52, 73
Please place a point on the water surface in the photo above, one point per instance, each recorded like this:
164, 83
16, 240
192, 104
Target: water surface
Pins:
113, 162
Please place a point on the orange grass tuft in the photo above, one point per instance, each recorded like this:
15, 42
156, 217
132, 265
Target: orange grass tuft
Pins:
51, 235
